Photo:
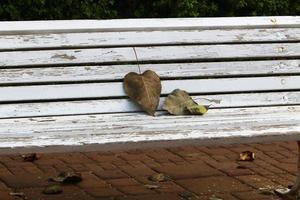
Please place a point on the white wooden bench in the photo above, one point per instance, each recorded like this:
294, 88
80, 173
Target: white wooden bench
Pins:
61, 81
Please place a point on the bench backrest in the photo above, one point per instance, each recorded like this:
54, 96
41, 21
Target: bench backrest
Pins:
51, 68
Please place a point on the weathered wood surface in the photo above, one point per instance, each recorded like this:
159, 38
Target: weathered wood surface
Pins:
225, 124
125, 105
115, 89
147, 24
138, 38
161, 53
117, 72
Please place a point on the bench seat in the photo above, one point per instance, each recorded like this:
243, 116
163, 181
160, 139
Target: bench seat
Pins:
61, 81
218, 126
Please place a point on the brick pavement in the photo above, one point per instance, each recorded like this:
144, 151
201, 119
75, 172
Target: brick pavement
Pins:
196, 172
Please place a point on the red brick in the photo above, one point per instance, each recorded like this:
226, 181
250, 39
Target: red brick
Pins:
3, 186
138, 170
187, 171
33, 170
169, 187
257, 181
4, 195
151, 197
268, 146
103, 192
214, 184
163, 155
288, 167
111, 174
122, 182
93, 167
90, 180
69, 193
219, 196
135, 190
254, 195
24, 180
98, 157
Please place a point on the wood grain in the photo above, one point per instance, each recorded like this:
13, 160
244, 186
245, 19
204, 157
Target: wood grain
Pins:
222, 124
149, 54
117, 72
115, 89
146, 38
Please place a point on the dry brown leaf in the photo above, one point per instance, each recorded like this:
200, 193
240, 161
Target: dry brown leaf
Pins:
54, 189
67, 177
144, 89
179, 102
29, 157
159, 178
247, 156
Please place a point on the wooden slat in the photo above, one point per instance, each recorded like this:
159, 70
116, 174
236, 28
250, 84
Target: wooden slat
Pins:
107, 39
125, 105
223, 124
165, 53
117, 72
115, 89
147, 24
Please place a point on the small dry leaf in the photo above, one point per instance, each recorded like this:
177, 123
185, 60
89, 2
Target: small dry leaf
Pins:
247, 156
29, 157
67, 177
54, 189
179, 102
144, 89
151, 187
159, 178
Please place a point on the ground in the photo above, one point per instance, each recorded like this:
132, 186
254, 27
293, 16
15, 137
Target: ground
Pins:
196, 172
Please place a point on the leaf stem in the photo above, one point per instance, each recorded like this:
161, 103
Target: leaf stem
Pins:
137, 59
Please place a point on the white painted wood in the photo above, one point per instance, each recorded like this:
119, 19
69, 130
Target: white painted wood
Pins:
117, 72
225, 124
162, 53
125, 105
106, 39
147, 24
115, 89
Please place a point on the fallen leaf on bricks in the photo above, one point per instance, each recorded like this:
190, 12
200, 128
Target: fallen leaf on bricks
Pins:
179, 102
67, 177
151, 187
54, 189
144, 89
30, 157
159, 178
247, 156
